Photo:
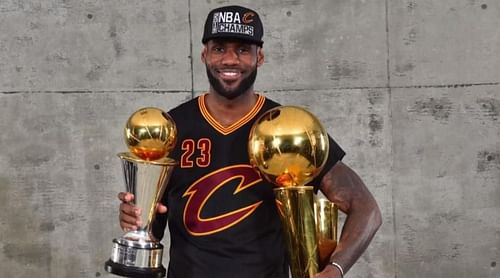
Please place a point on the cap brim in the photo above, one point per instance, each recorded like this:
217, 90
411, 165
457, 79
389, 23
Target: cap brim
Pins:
222, 36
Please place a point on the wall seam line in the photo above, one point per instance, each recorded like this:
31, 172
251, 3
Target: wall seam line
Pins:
191, 48
291, 90
390, 107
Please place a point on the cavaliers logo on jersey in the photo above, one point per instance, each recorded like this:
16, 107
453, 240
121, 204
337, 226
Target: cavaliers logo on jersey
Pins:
200, 192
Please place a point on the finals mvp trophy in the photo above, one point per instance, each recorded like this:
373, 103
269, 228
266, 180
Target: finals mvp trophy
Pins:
150, 135
289, 147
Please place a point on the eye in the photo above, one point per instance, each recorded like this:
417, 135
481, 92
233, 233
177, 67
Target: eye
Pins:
244, 49
218, 49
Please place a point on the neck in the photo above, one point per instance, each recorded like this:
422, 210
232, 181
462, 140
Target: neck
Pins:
228, 111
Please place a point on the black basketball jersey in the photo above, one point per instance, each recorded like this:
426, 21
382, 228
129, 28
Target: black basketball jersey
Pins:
222, 215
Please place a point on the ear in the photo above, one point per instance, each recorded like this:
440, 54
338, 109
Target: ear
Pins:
260, 56
204, 54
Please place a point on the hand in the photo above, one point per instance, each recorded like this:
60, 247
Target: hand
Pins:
130, 215
329, 272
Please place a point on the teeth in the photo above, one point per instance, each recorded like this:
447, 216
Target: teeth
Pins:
229, 73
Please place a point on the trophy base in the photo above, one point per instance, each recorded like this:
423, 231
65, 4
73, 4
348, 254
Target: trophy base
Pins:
130, 271
136, 258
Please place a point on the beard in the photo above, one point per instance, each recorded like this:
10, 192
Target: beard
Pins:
230, 94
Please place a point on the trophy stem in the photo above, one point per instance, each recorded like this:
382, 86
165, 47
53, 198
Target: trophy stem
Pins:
326, 214
296, 209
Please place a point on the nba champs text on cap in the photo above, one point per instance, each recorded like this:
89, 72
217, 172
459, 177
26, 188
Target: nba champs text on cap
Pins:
233, 22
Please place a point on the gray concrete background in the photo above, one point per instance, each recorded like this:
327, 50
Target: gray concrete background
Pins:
410, 89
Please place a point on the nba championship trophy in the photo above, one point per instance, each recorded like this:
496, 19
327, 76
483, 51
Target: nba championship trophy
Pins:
289, 147
150, 135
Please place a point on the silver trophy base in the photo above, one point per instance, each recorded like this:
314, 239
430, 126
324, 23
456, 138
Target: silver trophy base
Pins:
131, 259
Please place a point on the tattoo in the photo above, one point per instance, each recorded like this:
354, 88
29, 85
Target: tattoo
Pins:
341, 185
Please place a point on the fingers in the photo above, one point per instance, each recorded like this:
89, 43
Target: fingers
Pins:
129, 217
129, 214
126, 197
161, 209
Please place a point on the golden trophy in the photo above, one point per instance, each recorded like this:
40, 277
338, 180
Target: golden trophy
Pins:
150, 135
289, 147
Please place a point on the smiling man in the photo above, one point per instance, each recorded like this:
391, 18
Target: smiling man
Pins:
234, 74
222, 216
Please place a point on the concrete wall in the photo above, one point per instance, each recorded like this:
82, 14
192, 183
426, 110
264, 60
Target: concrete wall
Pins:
411, 90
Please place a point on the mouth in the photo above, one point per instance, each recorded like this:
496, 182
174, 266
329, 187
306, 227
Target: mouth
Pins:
229, 75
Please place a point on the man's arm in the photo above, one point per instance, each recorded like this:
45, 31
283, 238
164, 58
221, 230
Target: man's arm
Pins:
345, 188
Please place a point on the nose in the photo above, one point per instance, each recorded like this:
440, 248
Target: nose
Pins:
230, 57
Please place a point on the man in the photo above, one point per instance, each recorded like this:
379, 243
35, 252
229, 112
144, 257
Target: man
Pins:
218, 229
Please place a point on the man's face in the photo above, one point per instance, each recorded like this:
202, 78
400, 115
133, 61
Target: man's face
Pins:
231, 66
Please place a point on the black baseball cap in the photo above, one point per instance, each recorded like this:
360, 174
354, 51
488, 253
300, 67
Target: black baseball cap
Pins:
233, 22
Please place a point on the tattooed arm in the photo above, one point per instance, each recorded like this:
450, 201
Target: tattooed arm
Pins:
345, 188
